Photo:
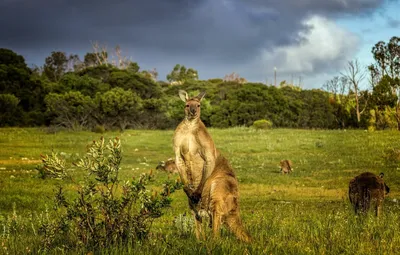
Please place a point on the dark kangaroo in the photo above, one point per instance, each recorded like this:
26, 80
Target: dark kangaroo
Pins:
368, 189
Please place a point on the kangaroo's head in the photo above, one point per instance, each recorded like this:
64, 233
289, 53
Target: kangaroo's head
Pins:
192, 108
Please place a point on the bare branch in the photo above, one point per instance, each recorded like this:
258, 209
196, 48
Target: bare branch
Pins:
355, 74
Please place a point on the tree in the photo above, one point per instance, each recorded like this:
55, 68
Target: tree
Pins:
90, 60
382, 93
182, 74
383, 112
337, 87
138, 82
374, 75
387, 58
118, 107
234, 77
10, 58
101, 53
154, 74
122, 62
74, 63
133, 67
150, 74
8, 109
85, 84
355, 75
316, 111
71, 109
13, 71
18, 80
174, 74
55, 65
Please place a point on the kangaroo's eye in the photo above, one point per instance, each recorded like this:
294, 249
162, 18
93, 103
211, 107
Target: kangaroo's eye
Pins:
187, 105
198, 105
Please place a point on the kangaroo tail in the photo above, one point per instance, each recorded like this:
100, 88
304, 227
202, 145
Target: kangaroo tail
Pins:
235, 225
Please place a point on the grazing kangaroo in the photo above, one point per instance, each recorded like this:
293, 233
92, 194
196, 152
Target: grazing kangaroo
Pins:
286, 166
220, 200
365, 189
195, 153
168, 166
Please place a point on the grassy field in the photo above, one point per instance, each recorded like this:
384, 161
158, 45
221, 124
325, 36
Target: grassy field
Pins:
306, 212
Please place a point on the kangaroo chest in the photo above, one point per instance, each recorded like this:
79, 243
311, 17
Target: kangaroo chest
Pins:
191, 152
190, 146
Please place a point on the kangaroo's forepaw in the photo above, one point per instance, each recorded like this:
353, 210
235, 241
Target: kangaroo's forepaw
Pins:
195, 198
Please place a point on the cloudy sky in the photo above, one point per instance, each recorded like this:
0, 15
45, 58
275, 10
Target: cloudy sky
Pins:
311, 39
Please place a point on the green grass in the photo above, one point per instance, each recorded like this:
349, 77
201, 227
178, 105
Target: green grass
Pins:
306, 212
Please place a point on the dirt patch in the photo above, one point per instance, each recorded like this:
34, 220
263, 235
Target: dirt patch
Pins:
24, 161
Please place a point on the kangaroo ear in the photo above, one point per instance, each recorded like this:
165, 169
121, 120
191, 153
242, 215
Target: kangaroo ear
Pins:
183, 95
201, 95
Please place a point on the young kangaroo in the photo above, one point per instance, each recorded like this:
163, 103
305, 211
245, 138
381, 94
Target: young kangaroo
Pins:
168, 166
286, 166
195, 152
220, 200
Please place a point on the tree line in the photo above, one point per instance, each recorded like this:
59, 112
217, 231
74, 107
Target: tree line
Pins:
107, 93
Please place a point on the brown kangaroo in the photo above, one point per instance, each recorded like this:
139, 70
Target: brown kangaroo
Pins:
365, 189
168, 166
220, 200
286, 166
195, 152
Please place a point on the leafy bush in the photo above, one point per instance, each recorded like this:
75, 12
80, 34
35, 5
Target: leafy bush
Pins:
100, 129
52, 166
105, 211
262, 124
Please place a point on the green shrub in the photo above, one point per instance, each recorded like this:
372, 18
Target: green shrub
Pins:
262, 124
100, 129
105, 211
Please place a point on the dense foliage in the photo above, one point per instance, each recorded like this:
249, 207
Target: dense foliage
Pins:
98, 94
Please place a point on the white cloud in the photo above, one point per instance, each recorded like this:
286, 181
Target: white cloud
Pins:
322, 49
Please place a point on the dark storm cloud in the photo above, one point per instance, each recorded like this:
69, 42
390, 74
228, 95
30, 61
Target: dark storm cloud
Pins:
327, 6
227, 31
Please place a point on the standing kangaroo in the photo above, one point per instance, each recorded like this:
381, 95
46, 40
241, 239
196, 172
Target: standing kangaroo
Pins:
195, 153
220, 200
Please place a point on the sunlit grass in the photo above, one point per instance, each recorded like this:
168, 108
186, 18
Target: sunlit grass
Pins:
306, 212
